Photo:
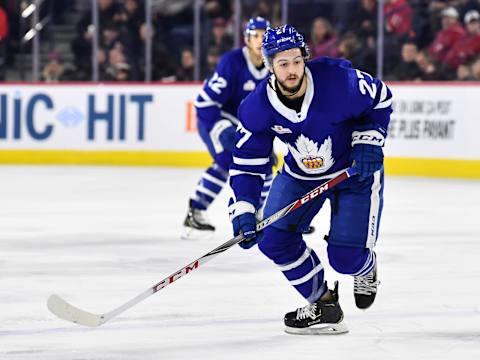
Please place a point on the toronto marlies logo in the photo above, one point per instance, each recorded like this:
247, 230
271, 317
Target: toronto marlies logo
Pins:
310, 158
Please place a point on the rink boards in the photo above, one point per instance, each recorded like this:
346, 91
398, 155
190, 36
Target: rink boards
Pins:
433, 131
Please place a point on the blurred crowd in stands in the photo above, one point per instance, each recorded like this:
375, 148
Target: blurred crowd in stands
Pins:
424, 39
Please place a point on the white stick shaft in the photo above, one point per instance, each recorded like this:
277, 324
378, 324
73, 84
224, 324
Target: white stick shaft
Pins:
173, 277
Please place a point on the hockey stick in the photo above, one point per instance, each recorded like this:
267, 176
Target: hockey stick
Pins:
66, 311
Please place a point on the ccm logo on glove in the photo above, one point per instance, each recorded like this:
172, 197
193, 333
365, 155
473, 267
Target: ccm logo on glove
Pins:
370, 137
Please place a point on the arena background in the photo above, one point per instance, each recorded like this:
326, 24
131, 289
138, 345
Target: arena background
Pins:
99, 156
124, 95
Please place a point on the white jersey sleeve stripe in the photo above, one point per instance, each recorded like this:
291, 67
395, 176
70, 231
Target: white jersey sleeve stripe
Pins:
255, 161
205, 104
234, 172
230, 117
383, 104
204, 100
383, 94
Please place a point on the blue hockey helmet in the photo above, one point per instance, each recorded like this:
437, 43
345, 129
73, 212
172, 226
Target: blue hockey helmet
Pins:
255, 23
280, 39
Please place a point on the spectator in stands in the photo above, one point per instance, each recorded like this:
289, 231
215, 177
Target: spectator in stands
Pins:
438, 5
163, 67
113, 38
407, 68
129, 20
3, 41
476, 69
398, 17
364, 25
464, 72
109, 35
269, 9
219, 37
185, 71
82, 44
117, 67
323, 40
53, 70
102, 59
468, 46
428, 67
362, 57
175, 22
213, 56
365, 20
444, 40
218, 9
421, 32
131, 14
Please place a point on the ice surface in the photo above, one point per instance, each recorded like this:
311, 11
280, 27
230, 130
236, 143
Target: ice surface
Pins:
98, 236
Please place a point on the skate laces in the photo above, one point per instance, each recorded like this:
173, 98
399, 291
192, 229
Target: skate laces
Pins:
365, 285
307, 311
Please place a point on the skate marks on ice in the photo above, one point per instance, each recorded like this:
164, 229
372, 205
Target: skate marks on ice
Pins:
98, 247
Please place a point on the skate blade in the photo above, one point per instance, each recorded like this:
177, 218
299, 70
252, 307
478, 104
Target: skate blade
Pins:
194, 234
320, 329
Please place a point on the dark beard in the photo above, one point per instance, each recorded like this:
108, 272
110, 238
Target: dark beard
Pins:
292, 90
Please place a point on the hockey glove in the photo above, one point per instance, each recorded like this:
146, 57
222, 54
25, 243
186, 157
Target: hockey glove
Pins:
222, 136
242, 216
367, 153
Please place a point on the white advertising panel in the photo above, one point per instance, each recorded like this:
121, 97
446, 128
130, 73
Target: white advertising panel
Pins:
429, 121
99, 117
434, 121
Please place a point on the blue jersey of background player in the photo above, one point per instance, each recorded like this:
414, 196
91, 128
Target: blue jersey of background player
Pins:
237, 74
329, 115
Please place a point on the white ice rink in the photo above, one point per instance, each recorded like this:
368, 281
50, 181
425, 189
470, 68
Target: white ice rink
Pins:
98, 236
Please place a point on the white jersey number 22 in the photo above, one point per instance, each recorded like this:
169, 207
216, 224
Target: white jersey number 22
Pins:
217, 83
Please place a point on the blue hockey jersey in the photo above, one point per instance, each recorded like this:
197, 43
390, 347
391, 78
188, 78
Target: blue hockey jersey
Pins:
234, 78
338, 101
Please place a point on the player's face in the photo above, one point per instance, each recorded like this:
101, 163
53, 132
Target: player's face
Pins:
289, 68
254, 41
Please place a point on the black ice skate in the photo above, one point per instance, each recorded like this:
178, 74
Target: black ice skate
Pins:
319, 318
196, 225
365, 289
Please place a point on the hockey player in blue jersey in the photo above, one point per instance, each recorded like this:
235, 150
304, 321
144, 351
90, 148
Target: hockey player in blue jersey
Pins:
330, 116
237, 74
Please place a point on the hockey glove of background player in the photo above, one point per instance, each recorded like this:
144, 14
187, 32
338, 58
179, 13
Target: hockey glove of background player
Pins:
242, 216
367, 153
223, 136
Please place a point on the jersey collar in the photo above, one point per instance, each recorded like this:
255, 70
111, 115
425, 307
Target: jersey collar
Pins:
286, 112
257, 74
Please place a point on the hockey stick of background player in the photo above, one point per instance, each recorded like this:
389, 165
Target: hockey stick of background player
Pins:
68, 312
